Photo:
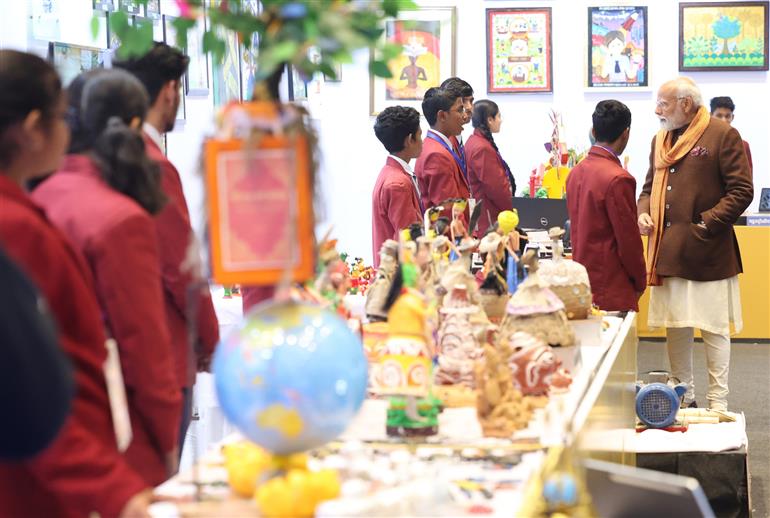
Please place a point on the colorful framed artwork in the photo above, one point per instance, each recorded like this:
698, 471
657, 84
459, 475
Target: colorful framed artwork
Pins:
130, 6
719, 36
297, 86
266, 182
197, 76
152, 9
428, 57
617, 43
519, 50
71, 60
226, 78
104, 5
249, 56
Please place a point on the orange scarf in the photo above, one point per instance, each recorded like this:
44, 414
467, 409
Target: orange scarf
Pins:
666, 155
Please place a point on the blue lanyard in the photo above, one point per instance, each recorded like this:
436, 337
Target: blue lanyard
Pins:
508, 172
458, 159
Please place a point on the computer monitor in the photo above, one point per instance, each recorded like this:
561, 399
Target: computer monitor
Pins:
626, 492
541, 213
764, 200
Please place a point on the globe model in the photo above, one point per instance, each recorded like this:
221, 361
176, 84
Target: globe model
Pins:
291, 376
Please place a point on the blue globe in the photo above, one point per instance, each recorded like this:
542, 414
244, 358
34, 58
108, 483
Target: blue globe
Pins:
291, 376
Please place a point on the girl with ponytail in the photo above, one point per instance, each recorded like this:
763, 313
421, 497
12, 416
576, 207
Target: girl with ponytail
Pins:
103, 197
81, 472
489, 176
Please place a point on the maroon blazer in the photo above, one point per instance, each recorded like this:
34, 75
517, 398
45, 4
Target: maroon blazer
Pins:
488, 179
747, 149
394, 205
605, 236
174, 237
439, 176
82, 470
118, 239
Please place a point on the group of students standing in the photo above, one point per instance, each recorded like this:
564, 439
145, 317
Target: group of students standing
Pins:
93, 213
446, 168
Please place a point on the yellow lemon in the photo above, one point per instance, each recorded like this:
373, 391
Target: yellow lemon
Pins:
325, 484
275, 499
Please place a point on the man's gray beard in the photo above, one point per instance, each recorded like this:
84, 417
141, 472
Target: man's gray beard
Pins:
670, 125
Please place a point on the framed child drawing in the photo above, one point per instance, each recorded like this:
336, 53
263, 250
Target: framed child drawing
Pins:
519, 51
718, 36
428, 57
617, 47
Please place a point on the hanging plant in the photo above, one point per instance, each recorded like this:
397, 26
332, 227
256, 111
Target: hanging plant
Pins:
285, 30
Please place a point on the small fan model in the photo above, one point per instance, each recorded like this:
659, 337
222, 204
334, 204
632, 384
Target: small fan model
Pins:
658, 403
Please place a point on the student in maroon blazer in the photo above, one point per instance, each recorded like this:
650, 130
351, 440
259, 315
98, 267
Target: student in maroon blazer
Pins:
440, 170
161, 71
81, 471
395, 199
602, 210
724, 108
464, 90
490, 178
103, 198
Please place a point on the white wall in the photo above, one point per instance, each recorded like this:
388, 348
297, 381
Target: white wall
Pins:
352, 156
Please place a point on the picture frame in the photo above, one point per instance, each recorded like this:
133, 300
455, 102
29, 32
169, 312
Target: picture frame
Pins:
723, 36
267, 181
297, 86
428, 35
197, 76
226, 76
152, 10
71, 60
338, 72
519, 50
103, 5
617, 47
133, 7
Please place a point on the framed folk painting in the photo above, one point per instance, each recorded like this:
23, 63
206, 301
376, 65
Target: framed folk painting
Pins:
617, 47
719, 36
428, 57
519, 51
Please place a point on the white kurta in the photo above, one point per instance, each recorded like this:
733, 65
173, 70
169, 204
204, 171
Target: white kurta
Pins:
711, 305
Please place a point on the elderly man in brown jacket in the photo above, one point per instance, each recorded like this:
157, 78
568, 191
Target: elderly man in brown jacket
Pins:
698, 183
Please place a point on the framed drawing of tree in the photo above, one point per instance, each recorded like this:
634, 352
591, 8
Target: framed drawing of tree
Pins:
718, 36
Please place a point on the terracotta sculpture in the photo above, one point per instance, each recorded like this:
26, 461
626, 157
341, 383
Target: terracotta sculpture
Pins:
457, 228
378, 291
534, 365
458, 348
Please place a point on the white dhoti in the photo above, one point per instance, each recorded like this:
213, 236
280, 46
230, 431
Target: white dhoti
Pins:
714, 307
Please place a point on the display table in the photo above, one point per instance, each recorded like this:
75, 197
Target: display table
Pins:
599, 399
754, 243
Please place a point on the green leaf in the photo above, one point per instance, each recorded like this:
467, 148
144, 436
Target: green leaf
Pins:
94, 26
379, 68
285, 51
391, 51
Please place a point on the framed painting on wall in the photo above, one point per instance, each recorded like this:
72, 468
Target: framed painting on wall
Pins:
130, 6
226, 76
152, 9
617, 47
197, 76
70, 60
103, 5
718, 36
428, 57
519, 51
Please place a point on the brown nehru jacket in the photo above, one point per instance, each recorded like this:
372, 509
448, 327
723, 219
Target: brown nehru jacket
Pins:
712, 183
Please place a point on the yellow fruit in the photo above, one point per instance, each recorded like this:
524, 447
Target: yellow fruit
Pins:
301, 492
275, 499
245, 463
325, 484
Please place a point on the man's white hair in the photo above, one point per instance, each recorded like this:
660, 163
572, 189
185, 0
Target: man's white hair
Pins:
686, 87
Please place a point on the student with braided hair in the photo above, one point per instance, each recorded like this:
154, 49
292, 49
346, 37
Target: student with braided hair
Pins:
489, 176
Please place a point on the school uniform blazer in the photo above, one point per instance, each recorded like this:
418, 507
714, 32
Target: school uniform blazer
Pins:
118, 239
174, 237
81, 471
488, 180
605, 236
394, 205
439, 176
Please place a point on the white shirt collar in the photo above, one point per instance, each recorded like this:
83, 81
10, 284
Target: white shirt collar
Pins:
403, 164
443, 137
154, 134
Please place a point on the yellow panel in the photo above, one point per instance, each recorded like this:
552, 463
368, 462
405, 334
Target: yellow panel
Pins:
754, 282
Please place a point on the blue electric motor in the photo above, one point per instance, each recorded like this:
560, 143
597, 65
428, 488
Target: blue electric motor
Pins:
658, 403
